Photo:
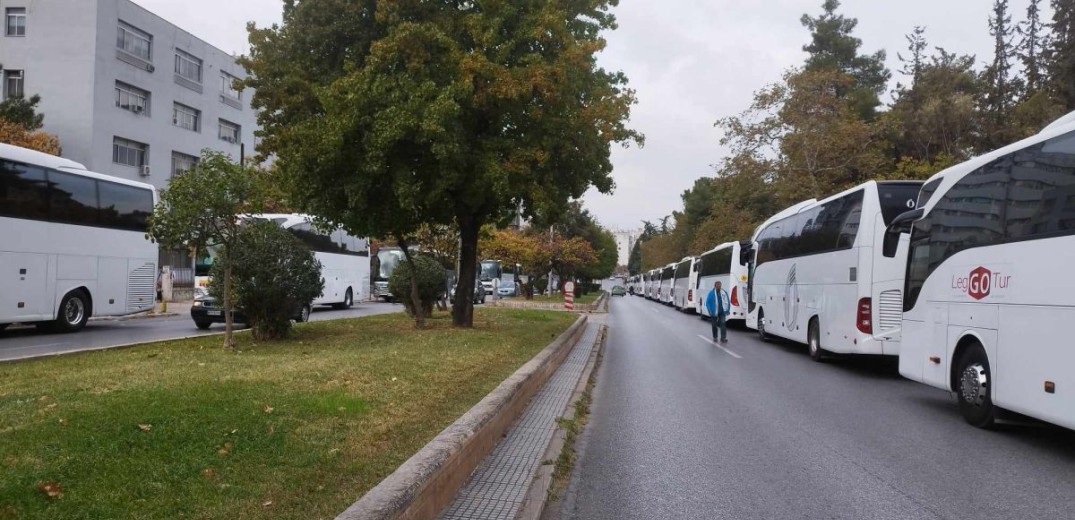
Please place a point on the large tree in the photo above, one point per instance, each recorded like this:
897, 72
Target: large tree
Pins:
1060, 54
1000, 88
388, 115
832, 47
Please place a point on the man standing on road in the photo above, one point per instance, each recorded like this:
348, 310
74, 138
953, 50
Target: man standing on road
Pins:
718, 304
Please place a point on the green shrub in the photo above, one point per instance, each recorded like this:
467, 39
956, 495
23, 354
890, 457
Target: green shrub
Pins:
273, 276
540, 285
431, 284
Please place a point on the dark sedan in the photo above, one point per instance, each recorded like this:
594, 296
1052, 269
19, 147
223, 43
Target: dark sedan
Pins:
206, 312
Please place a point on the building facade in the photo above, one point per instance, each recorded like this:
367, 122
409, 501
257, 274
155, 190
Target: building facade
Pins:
625, 242
128, 93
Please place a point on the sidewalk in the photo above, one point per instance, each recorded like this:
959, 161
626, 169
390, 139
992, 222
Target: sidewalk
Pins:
174, 309
498, 487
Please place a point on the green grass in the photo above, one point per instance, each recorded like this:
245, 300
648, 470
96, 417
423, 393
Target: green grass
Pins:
559, 298
296, 429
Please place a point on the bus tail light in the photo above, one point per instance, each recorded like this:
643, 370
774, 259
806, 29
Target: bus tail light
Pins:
864, 320
690, 295
735, 296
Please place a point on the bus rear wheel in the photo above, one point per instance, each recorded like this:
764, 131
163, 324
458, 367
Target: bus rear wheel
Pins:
347, 303
74, 312
974, 388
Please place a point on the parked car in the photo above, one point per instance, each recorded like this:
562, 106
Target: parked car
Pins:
206, 312
618, 291
479, 293
508, 290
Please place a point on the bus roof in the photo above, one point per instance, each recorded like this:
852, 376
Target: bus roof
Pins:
951, 175
723, 246
44, 160
789, 211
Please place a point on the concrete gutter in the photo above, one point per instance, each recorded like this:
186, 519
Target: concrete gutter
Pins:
519, 303
427, 482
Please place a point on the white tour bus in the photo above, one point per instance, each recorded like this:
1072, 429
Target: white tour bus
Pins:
820, 277
664, 289
653, 280
345, 259
72, 242
683, 286
729, 264
988, 304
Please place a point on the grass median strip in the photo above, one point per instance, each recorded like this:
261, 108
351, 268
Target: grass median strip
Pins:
295, 429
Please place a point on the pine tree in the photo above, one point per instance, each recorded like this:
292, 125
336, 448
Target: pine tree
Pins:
916, 45
1031, 47
1061, 54
832, 47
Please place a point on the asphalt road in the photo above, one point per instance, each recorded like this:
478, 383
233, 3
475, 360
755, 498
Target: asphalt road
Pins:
26, 342
682, 429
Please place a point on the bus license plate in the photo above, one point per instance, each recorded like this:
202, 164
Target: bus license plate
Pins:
214, 313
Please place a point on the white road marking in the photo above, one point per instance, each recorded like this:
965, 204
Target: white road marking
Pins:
711, 342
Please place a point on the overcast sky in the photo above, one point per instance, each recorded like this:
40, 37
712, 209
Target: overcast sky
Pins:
691, 62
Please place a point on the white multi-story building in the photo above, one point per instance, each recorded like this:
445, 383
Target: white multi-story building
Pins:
625, 242
127, 93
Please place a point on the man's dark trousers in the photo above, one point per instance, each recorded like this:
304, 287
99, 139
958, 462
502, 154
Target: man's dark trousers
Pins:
719, 324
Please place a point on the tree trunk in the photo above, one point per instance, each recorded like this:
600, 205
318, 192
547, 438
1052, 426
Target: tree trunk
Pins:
229, 327
416, 301
463, 309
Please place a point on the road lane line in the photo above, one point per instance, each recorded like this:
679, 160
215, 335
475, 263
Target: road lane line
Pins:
711, 342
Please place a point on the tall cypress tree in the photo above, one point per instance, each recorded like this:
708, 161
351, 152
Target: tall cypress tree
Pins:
1031, 46
916, 46
1061, 54
1000, 89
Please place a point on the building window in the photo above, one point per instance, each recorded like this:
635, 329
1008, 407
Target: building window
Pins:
182, 162
227, 87
135, 41
188, 66
16, 21
187, 117
132, 98
13, 84
229, 131
130, 153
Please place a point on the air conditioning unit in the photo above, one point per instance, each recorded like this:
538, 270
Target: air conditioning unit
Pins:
137, 109
150, 68
229, 139
145, 170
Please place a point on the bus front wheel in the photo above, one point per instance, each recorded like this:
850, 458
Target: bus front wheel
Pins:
761, 326
974, 388
813, 340
74, 312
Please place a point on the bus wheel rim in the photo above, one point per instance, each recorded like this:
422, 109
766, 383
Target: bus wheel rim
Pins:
74, 311
974, 384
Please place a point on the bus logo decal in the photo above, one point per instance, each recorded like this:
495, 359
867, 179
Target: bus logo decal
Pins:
981, 283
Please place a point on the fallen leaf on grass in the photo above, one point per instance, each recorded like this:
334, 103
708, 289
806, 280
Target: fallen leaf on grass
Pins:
223, 452
267, 503
52, 489
145, 427
268, 409
208, 473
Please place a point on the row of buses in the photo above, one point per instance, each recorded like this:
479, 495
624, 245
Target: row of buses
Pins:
964, 277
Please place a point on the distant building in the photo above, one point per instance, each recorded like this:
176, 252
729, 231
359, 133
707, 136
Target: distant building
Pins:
625, 242
128, 93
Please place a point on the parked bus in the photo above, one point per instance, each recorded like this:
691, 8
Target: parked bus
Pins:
820, 277
495, 275
664, 289
384, 264
345, 259
729, 264
72, 242
652, 280
682, 290
988, 293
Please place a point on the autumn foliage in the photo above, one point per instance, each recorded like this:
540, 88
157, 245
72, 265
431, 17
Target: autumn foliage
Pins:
18, 135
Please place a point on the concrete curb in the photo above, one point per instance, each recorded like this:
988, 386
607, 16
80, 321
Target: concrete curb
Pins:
427, 482
537, 497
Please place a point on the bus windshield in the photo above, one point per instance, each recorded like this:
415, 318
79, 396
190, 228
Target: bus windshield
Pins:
490, 269
387, 260
896, 198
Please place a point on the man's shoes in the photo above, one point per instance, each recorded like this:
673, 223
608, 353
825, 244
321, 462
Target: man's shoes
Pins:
725, 340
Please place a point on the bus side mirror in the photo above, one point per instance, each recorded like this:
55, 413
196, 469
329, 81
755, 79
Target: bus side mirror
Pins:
900, 225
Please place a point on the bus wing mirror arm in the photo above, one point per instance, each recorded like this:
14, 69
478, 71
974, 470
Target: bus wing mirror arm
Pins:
900, 225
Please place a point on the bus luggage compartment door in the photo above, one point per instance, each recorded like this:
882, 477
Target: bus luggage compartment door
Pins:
23, 287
